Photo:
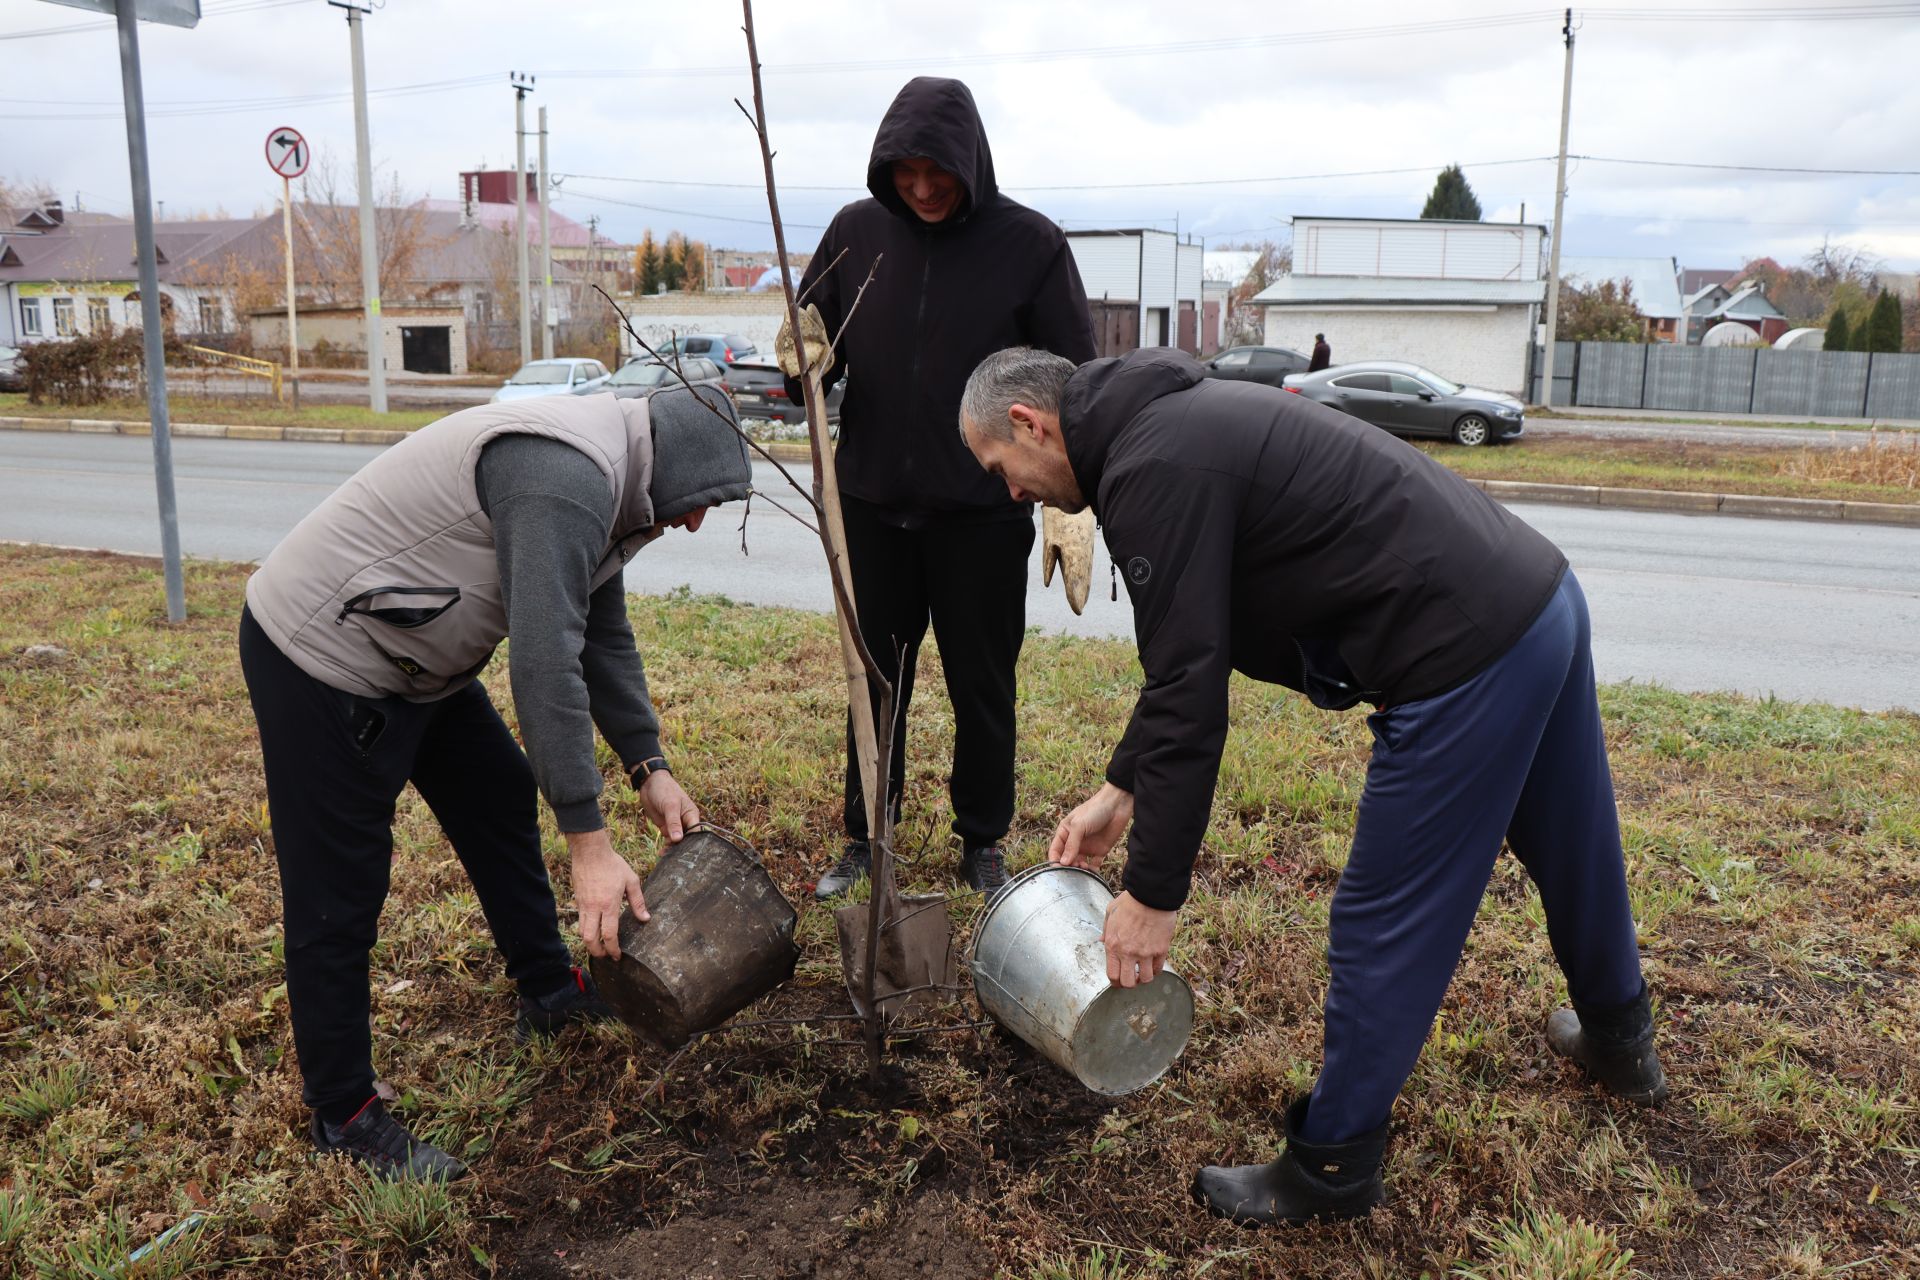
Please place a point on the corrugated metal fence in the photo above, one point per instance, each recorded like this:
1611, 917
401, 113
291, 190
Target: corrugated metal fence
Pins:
1813, 384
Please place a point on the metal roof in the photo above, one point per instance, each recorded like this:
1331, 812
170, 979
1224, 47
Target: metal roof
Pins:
1655, 281
1304, 290
1299, 218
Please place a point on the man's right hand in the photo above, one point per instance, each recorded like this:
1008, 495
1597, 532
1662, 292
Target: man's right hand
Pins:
1086, 836
602, 881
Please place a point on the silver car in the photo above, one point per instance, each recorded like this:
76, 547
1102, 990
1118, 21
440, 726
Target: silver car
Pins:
641, 379
1409, 400
561, 376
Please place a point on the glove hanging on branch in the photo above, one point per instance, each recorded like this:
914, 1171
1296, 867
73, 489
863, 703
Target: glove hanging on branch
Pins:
1068, 542
819, 346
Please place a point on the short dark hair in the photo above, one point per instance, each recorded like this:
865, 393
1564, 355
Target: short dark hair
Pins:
1319, 337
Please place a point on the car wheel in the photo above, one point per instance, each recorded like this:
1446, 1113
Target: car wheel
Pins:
1472, 431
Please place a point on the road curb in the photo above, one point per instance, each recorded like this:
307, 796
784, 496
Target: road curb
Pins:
1576, 495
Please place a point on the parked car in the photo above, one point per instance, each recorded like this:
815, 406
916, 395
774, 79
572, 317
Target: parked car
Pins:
639, 379
721, 348
561, 376
13, 377
1256, 364
760, 391
1411, 401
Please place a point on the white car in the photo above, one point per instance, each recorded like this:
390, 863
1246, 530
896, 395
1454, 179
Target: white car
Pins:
12, 376
561, 376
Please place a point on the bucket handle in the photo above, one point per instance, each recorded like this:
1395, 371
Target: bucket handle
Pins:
730, 837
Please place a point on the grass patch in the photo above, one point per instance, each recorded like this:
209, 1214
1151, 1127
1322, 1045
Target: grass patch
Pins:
1881, 468
261, 411
1773, 853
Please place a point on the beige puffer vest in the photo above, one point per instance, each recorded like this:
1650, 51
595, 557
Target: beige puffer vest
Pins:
391, 585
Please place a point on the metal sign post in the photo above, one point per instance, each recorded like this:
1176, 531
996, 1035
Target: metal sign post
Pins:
369, 253
287, 156
128, 14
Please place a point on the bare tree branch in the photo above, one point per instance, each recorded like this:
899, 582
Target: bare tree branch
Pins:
822, 276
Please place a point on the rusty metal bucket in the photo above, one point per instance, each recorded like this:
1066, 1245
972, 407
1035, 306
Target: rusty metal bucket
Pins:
720, 938
1040, 970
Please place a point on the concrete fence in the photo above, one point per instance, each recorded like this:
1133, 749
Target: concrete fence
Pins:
1814, 384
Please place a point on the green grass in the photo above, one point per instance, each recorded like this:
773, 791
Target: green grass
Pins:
1773, 852
259, 411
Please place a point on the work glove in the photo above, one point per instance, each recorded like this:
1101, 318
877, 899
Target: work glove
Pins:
1067, 541
819, 346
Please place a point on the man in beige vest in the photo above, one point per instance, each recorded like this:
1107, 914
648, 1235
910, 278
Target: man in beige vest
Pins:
362, 641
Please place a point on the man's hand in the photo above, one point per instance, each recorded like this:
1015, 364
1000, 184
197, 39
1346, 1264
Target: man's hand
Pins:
1086, 836
1138, 939
668, 807
602, 880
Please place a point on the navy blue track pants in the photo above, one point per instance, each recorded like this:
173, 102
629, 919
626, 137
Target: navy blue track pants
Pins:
1516, 753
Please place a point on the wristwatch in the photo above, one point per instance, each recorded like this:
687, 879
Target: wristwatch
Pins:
645, 769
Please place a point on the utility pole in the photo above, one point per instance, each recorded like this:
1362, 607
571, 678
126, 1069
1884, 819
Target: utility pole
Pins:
546, 249
369, 251
152, 320
1559, 205
522, 85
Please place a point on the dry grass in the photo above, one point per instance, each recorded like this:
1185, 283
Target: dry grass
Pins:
146, 1072
1885, 461
231, 411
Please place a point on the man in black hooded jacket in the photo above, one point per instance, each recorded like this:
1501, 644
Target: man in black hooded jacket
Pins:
1262, 533
963, 272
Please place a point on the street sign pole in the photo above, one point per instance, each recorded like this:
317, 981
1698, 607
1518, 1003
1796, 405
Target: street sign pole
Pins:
150, 316
293, 320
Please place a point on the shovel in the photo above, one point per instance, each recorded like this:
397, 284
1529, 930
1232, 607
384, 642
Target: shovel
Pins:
913, 958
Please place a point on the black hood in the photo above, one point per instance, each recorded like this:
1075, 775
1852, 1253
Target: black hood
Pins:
935, 118
1103, 396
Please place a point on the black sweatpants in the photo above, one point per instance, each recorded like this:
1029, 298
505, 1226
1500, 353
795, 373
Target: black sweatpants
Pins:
970, 581
335, 764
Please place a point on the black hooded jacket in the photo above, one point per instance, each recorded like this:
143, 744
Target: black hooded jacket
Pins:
1260, 532
993, 274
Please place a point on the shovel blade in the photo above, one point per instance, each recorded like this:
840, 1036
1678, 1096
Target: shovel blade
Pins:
914, 960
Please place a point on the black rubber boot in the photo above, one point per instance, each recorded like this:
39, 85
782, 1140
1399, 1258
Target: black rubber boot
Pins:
855, 865
1308, 1181
380, 1142
984, 867
578, 1001
1615, 1045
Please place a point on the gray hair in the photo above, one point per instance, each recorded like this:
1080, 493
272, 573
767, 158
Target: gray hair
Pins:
1018, 375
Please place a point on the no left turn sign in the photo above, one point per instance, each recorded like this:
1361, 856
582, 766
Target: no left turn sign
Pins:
287, 152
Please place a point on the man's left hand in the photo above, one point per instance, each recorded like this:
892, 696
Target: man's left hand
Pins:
668, 807
1137, 939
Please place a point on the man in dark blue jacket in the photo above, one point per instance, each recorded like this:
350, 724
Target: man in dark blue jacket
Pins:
1262, 533
963, 271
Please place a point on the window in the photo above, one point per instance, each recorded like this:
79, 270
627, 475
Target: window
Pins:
209, 315
63, 318
99, 318
1401, 384
30, 317
1233, 360
1362, 382
696, 346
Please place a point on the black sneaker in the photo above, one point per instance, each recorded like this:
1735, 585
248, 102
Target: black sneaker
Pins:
855, 865
383, 1144
984, 867
578, 1001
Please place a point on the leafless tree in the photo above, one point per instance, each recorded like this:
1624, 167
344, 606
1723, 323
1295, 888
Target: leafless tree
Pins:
326, 235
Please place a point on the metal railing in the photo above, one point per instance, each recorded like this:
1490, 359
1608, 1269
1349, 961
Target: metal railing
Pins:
245, 366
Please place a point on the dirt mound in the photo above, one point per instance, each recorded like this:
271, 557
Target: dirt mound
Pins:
785, 1231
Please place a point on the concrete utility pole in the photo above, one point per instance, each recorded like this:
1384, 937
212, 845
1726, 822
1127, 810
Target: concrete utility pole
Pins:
1559, 204
546, 249
522, 85
153, 322
369, 250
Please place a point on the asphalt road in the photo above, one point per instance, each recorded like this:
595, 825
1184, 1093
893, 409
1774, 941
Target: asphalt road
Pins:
1800, 610
1694, 433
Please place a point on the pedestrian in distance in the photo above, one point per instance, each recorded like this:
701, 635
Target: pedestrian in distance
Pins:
1322, 354
1263, 533
962, 272
362, 641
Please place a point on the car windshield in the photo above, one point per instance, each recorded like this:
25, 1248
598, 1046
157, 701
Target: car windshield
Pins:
640, 373
1437, 382
539, 375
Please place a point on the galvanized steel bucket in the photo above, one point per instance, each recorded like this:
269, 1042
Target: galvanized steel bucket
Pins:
1040, 970
720, 938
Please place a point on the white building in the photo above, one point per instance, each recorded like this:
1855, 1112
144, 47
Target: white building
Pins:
1144, 289
1655, 283
1461, 298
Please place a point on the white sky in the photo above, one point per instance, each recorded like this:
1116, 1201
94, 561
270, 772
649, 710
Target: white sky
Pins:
1256, 101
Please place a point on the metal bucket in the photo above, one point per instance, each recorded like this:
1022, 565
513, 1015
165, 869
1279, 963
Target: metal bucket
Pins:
1040, 969
720, 938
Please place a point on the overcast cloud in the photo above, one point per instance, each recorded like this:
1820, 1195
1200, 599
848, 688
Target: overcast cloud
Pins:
1734, 91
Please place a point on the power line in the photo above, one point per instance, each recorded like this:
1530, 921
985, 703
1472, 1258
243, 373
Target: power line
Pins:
1752, 168
693, 213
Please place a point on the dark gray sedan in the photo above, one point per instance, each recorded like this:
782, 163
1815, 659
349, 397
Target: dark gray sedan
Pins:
1411, 401
1255, 364
640, 379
